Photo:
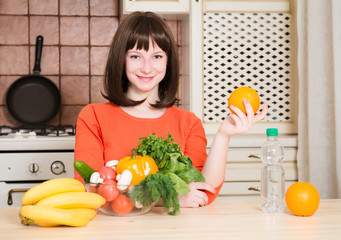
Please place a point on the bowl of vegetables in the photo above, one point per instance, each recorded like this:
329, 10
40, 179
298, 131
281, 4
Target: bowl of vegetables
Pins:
156, 170
120, 201
119, 184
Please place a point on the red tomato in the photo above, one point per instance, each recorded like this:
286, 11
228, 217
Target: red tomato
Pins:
122, 205
108, 190
107, 173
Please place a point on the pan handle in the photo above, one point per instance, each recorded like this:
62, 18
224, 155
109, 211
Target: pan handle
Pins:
39, 50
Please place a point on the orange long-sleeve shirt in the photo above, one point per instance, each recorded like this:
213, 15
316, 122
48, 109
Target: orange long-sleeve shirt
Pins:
105, 132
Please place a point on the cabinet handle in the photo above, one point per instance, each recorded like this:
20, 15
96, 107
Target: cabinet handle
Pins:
10, 199
257, 189
253, 156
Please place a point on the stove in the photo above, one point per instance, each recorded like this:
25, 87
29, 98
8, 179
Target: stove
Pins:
31, 155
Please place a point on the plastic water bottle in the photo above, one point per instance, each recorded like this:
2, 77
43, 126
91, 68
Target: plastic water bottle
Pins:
273, 175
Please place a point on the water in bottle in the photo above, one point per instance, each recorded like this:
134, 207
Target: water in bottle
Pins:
273, 175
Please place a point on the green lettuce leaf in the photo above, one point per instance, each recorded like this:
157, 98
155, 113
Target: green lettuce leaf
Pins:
180, 185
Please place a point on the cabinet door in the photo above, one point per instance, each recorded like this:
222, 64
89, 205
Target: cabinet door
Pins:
243, 44
157, 6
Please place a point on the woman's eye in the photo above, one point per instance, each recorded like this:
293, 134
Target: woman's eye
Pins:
134, 56
158, 56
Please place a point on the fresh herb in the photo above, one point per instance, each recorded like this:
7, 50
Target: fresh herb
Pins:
157, 147
155, 187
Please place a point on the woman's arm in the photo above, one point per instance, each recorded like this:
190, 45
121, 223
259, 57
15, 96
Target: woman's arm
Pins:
89, 145
214, 168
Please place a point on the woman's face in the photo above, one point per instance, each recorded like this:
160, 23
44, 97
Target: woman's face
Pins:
145, 69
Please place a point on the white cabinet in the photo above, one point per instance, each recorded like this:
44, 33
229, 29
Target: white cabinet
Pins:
157, 6
244, 43
244, 171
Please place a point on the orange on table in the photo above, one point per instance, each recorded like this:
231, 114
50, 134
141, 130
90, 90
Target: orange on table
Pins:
302, 199
238, 95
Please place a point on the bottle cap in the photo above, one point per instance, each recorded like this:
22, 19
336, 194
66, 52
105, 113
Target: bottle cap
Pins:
272, 132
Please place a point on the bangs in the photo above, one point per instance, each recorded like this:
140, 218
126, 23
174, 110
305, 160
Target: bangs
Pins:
144, 30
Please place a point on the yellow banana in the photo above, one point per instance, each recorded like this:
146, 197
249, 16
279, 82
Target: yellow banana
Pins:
73, 200
47, 216
90, 213
51, 187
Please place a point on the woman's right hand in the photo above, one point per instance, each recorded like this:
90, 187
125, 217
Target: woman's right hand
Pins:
239, 122
196, 197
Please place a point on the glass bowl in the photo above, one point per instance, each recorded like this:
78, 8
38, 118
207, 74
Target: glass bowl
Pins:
118, 201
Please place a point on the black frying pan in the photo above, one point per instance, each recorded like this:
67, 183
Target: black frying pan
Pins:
34, 99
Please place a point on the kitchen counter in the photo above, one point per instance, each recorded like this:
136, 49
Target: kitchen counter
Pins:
223, 219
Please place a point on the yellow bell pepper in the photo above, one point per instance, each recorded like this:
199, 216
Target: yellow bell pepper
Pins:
139, 166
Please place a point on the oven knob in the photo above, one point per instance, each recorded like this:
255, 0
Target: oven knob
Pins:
58, 167
34, 168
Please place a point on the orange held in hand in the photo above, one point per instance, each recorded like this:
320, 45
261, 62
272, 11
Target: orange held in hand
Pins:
302, 199
237, 96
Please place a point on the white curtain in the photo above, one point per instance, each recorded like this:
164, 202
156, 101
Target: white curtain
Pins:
319, 95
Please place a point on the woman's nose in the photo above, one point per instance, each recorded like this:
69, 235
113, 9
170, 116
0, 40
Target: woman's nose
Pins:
146, 67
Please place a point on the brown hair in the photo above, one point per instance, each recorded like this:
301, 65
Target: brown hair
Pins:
138, 28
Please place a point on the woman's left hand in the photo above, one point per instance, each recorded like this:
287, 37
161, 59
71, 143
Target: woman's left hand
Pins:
239, 123
196, 197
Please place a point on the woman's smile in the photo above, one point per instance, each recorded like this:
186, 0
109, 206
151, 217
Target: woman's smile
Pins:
146, 79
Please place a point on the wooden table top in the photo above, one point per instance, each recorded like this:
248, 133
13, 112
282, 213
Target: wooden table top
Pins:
222, 219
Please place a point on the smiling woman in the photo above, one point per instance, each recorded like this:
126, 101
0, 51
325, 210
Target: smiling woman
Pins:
142, 33
141, 83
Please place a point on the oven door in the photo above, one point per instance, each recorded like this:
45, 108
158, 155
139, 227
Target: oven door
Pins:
22, 170
11, 193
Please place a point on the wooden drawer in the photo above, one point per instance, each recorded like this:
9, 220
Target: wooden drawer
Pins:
241, 188
252, 172
242, 155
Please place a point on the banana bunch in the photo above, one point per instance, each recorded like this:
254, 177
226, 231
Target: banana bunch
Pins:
60, 201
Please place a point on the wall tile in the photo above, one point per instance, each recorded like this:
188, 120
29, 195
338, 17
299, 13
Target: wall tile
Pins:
76, 44
173, 25
75, 60
74, 31
49, 63
46, 7
69, 114
179, 34
14, 60
13, 7
104, 7
5, 83
54, 79
180, 59
99, 57
75, 89
6, 118
13, 29
74, 7
97, 89
47, 27
102, 30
